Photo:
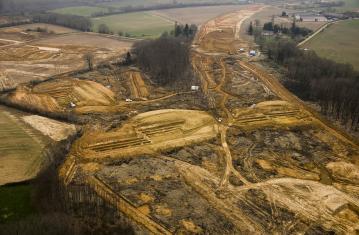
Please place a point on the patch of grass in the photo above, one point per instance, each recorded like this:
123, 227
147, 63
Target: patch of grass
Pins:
148, 3
135, 3
138, 24
15, 202
80, 11
20, 148
338, 42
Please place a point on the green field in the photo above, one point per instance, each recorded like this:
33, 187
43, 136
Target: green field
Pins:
338, 42
138, 24
135, 3
15, 202
21, 148
147, 3
80, 11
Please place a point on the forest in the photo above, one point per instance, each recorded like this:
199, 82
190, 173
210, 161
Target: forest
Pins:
167, 58
332, 85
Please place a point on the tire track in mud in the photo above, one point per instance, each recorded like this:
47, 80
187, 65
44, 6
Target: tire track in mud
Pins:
275, 86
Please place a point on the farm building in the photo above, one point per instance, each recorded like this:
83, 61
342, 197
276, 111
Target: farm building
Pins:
313, 18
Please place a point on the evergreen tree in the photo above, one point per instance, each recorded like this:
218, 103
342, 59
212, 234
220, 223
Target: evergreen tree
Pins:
186, 31
250, 29
178, 30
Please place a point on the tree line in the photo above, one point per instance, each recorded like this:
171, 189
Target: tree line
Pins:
293, 31
334, 86
71, 21
188, 31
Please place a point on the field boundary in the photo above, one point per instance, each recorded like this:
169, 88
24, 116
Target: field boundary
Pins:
318, 31
125, 206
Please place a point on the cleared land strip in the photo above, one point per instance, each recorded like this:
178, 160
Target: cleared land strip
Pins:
103, 190
274, 85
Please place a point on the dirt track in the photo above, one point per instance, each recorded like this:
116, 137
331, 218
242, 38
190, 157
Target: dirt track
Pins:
209, 45
259, 162
282, 92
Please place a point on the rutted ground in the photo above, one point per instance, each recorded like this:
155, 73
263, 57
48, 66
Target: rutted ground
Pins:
61, 94
243, 155
33, 56
270, 167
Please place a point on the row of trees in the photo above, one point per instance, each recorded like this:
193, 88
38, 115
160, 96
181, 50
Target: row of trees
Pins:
333, 85
188, 31
166, 59
293, 31
71, 21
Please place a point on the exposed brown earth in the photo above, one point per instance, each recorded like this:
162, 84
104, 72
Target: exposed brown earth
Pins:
270, 165
62, 94
241, 156
32, 56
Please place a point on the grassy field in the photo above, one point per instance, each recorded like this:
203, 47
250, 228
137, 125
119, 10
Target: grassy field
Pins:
139, 24
339, 42
80, 11
135, 3
196, 15
15, 202
21, 148
147, 3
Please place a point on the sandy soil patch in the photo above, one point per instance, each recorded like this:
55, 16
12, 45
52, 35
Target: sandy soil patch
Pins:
54, 129
88, 40
61, 94
35, 62
49, 49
